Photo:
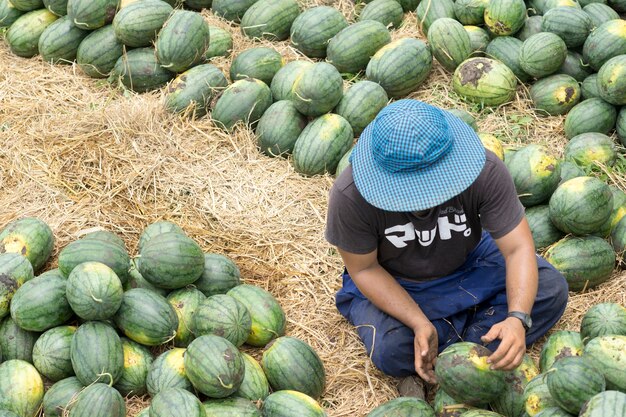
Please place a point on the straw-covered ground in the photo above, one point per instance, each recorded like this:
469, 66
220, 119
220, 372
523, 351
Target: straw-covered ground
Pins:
81, 155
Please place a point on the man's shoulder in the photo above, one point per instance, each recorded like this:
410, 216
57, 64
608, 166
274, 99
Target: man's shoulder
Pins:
492, 170
344, 183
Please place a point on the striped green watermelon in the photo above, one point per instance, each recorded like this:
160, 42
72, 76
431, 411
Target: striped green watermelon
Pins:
98, 400
268, 317
555, 94
51, 353
176, 402
387, 12
279, 128
291, 403
14, 270
553, 412
618, 236
470, 12
94, 291
135, 280
531, 27
543, 230
481, 413
137, 362
106, 236
506, 49
605, 42
243, 101
618, 211
569, 23
15, 342
157, 228
98, 52
27, 5
505, 17
231, 9
618, 5
574, 380
465, 116
361, 103
575, 67
292, 364
28, 236
52, 273
607, 403
137, 24
479, 39
484, 81
270, 19
194, 89
183, 41
254, 386
570, 170
224, 316
91, 250
58, 7
317, 90
21, 388
185, 302
537, 396
600, 13
8, 13
60, 396
400, 66
40, 304
611, 84
536, 174
91, 14
321, 145
449, 43
282, 83
231, 407
261, 63
608, 354
313, 28
584, 261
146, 317
552, 4
214, 366
603, 319
403, 407
591, 115
350, 50
588, 149
220, 44
428, 11
97, 354
620, 126
168, 371
344, 162
446, 406
462, 367
198, 4
542, 54
220, 275
23, 35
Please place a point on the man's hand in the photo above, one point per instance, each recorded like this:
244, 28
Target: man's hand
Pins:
426, 343
512, 347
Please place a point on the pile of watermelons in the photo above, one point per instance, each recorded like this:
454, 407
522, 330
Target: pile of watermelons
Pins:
169, 323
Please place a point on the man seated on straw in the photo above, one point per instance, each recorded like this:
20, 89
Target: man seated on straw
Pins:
436, 247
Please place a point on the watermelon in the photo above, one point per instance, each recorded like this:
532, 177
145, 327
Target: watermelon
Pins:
387, 12
21, 388
611, 84
221, 43
409, 5
313, 28
620, 126
481, 413
542, 54
98, 52
429, 11
605, 42
584, 261
194, 89
343, 163
590, 148
292, 364
106, 236
317, 90
446, 406
146, 317
470, 12
52, 273
94, 291
91, 14
591, 115
321, 145
607, 403
618, 237
492, 143
135, 280
618, 211
58, 7
40, 304
168, 371
51, 353
403, 407
556, 94
603, 319
198, 4
449, 43
8, 13
214, 366
231, 407
28, 236
100, 399
551, 4
600, 13
575, 67
15, 342
291, 403
260, 63
27, 5
574, 380
537, 395
361, 103
532, 26
23, 35
506, 49
176, 402
14, 271
350, 50
268, 317
243, 101
254, 386
183, 41
97, 354
400, 66
543, 230
220, 275
270, 19
282, 83
465, 116
608, 354
553, 412
231, 9
479, 39
505, 17
185, 302
570, 170
569, 23
279, 128
224, 316
60, 396
92, 250
560, 344
461, 367
484, 81
157, 228
137, 362
618, 5
536, 174
138, 24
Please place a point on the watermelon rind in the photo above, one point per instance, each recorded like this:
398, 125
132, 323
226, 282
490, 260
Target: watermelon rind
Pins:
279, 128
313, 28
484, 81
51, 353
98, 52
168, 371
603, 319
244, 101
608, 354
97, 354
21, 388
194, 89
288, 403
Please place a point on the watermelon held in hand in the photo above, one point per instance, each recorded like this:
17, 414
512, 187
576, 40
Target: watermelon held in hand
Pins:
603, 319
484, 81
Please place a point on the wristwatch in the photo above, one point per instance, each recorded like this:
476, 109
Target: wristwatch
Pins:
527, 322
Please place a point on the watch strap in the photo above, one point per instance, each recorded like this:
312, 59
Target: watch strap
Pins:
523, 317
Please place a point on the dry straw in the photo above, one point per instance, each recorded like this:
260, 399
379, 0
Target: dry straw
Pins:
80, 155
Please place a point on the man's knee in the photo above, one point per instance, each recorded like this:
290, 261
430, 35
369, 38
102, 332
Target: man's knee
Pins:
553, 288
393, 352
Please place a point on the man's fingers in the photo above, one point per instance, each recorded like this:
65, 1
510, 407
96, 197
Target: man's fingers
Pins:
491, 335
501, 352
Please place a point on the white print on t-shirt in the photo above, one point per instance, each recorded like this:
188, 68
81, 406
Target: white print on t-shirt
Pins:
426, 237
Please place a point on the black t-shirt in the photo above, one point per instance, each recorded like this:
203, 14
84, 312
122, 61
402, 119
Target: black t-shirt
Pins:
430, 244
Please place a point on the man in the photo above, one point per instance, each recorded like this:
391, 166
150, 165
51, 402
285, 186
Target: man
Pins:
436, 247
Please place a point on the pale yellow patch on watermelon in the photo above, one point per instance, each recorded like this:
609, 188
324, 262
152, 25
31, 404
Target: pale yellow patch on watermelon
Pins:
305, 399
389, 47
612, 344
576, 185
332, 124
567, 3
125, 3
479, 362
616, 73
258, 334
95, 267
543, 165
564, 95
131, 357
533, 404
470, 28
14, 243
175, 360
492, 143
617, 28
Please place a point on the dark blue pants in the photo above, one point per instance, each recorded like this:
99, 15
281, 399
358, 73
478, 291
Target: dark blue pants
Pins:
462, 306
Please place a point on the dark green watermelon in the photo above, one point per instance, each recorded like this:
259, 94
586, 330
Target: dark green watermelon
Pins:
572, 381
96, 353
506, 49
261, 63
479, 39
15, 342
91, 14
620, 126
543, 230
185, 302
284, 79
361, 103
611, 80
569, 23
591, 115
58, 7
313, 28
194, 89
607, 403
137, 24
605, 42
603, 319
387, 12
98, 400
98, 52
575, 67
600, 13
449, 43
470, 12
607, 353
168, 371
220, 275
137, 362
429, 11
139, 71
157, 228
511, 403
532, 26
570, 170
537, 395
555, 94
350, 50
254, 386
40, 304
59, 42
92, 250
279, 128
221, 43
183, 41
446, 406
224, 316
23, 35
317, 90
176, 402
60, 396
270, 19
231, 9
403, 407
8, 13
94, 291
244, 101
505, 17
535, 172
231, 407
51, 353
542, 54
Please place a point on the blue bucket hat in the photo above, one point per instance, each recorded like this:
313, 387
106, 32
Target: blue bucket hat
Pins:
414, 156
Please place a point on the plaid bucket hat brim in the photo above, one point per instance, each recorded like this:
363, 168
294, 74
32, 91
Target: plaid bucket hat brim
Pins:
421, 189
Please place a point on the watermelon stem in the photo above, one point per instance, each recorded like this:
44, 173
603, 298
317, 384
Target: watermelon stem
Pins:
227, 386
